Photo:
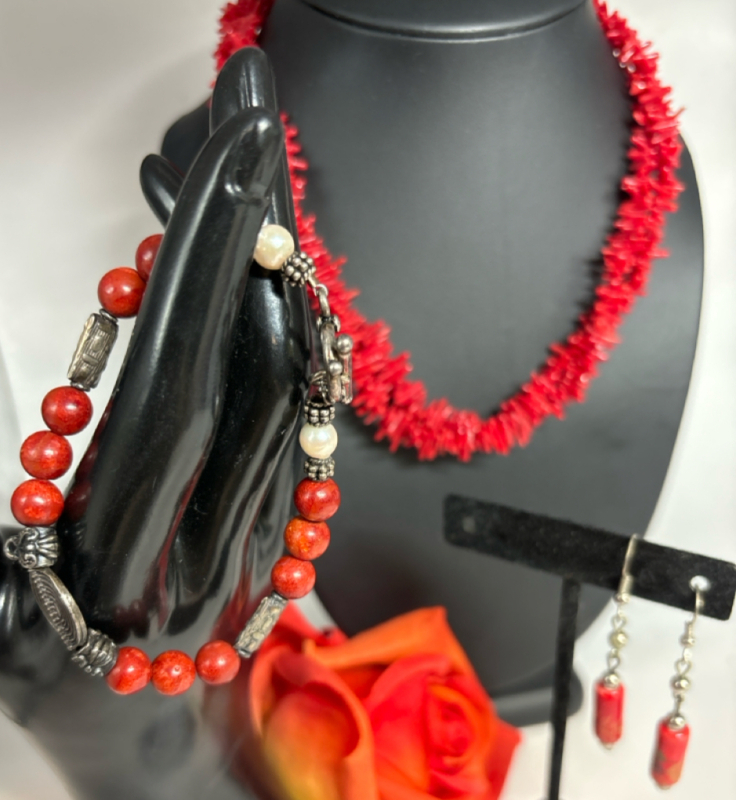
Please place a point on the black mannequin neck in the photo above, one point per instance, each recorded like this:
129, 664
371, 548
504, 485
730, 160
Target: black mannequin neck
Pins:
499, 159
447, 19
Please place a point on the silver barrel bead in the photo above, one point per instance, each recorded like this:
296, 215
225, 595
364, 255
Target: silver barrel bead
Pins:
260, 624
93, 349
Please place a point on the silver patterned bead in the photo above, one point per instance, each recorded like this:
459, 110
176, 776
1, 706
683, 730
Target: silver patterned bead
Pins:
98, 654
318, 412
298, 269
319, 469
93, 350
260, 624
33, 548
59, 607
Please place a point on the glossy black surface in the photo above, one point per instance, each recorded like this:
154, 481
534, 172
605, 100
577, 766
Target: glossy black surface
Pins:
445, 20
176, 512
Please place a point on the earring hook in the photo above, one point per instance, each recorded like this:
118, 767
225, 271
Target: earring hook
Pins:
627, 581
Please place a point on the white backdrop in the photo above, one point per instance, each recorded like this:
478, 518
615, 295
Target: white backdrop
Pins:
87, 88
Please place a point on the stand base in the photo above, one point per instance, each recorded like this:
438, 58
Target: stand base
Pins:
531, 704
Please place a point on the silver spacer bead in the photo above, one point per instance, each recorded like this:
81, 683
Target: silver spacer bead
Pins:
319, 469
618, 638
681, 683
98, 654
676, 722
298, 269
33, 548
319, 412
612, 680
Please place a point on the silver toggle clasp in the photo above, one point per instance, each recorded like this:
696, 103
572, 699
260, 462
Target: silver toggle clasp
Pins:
337, 355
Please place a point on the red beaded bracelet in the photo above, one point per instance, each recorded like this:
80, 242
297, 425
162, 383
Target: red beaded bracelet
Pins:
47, 455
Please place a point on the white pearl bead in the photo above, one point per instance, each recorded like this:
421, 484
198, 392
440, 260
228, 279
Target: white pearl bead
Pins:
273, 246
318, 441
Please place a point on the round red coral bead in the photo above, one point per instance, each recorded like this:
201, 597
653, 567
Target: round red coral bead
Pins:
120, 291
305, 539
145, 255
131, 673
293, 578
317, 500
217, 662
46, 455
66, 410
173, 672
37, 503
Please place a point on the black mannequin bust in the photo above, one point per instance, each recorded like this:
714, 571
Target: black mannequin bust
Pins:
465, 157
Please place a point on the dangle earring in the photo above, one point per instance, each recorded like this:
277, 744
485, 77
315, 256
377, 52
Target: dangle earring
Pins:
673, 731
609, 691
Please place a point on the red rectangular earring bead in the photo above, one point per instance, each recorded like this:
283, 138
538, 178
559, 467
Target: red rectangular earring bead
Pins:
669, 756
609, 712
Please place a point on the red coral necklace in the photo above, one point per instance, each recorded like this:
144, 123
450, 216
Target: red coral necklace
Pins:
399, 407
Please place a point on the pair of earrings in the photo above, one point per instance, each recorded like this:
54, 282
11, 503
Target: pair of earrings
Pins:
673, 732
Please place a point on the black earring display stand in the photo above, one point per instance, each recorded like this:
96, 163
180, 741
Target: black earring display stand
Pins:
584, 555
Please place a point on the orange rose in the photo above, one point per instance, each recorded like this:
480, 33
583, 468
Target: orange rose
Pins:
395, 713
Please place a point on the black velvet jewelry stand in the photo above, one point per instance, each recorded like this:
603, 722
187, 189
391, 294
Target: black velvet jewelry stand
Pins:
584, 555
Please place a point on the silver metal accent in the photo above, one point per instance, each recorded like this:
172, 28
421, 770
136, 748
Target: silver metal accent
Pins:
319, 412
618, 637
680, 681
260, 624
298, 269
33, 548
336, 380
59, 607
319, 469
97, 656
93, 350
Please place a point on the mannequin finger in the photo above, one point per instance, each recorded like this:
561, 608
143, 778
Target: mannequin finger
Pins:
157, 431
186, 137
247, 81
161, 183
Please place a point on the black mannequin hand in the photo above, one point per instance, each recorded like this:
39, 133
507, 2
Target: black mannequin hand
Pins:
176, 511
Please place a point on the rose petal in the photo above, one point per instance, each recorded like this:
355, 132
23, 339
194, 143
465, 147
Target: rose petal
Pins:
422, 631
499, 760
293, 629
316, 736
